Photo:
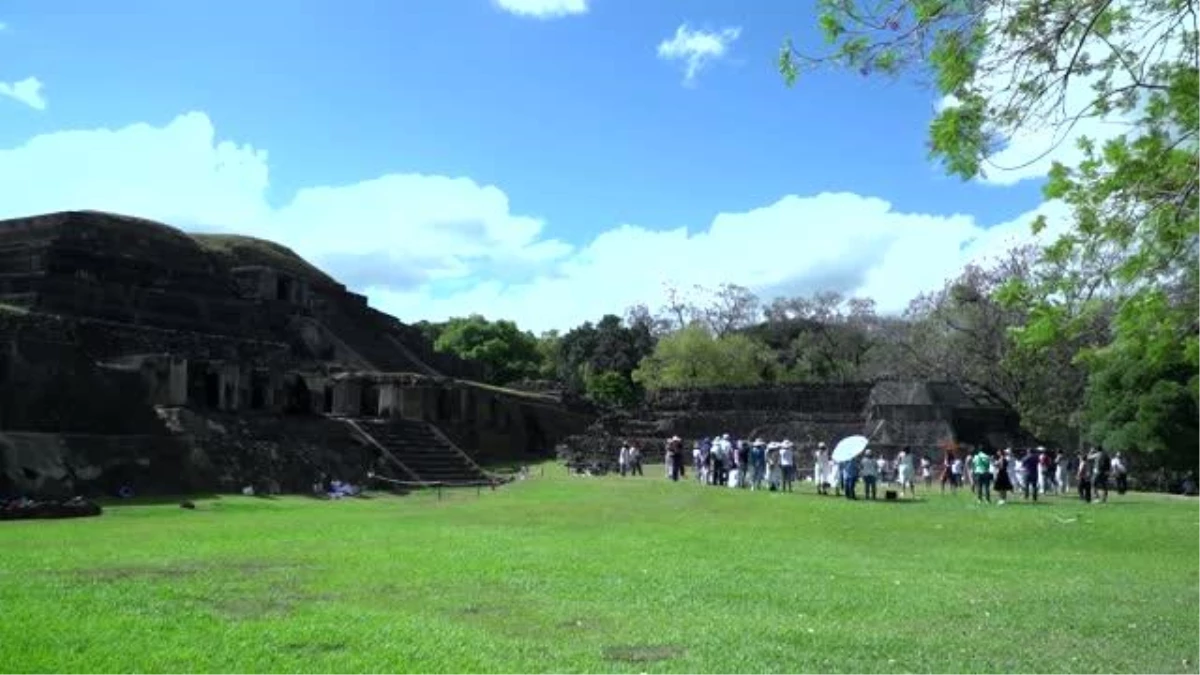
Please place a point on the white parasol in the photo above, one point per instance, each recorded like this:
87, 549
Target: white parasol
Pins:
849, 447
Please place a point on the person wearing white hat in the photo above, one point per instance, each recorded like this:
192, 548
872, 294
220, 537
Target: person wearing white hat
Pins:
774, 470
821, 469
787, 461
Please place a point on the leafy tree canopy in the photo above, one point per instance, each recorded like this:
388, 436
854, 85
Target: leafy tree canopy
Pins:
1129, 259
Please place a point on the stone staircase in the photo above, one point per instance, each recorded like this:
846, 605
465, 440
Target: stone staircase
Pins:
415, 451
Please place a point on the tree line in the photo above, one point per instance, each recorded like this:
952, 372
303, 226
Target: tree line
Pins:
973, 332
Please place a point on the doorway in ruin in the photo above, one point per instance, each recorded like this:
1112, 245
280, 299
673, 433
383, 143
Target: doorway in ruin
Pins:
212, 389
535, 437
258, 390
368, 401
327, 403
299, 400
283, 288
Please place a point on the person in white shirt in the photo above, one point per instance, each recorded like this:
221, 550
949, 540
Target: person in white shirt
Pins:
623, 459
956, 472
821, 469
787, 459
835, 477
1061, 478
904, 472
697, 463
774, 470
869, 471
927, 472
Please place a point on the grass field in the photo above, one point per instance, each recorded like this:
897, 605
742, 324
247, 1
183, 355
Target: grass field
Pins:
602, 574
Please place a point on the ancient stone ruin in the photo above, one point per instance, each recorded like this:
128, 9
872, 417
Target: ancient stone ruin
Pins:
927, 417
137, 358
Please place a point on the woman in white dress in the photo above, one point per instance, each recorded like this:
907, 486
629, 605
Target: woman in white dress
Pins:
904, 472
821, 475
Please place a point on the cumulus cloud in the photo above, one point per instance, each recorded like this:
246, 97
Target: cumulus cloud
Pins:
27, 91
431, 247
695, 49
1050, 135
543, 9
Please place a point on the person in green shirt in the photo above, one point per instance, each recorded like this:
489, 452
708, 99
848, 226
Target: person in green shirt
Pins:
981, 471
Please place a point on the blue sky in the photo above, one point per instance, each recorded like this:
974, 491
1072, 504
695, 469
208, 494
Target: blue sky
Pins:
338, 128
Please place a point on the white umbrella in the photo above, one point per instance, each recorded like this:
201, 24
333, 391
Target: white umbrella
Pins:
849, 447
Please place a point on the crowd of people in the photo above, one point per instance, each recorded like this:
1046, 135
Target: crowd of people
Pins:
774, 466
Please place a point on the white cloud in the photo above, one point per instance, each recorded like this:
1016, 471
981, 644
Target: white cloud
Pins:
27, 91
1045, 139
431, 246
543, 9
697, 48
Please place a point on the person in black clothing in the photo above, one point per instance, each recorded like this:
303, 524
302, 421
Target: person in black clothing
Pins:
1003, 484
1030, 463
743, 462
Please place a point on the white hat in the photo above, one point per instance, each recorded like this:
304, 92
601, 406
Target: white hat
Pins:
821, 444
772, 445
786, 443
759, 441
1041, 448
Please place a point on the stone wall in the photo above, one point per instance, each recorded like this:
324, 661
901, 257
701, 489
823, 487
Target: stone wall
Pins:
53, 387
57, 465
835, 398
491, 423
274, 454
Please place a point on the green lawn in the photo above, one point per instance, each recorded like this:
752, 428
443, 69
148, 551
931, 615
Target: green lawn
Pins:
602, 574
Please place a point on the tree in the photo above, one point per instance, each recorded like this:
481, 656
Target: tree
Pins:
729, 307
609, 388
825, 338
694, 357
609, 346
1006, 65
507, 352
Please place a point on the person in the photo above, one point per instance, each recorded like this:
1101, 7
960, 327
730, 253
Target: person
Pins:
787, 462
635, 459
743, 460
927, 472
849, 471
623, 458
1060, 472
1003, 484
1044, 475
1030, 463
981, 475
1083, 476
947, 472
774, 469
837, 477
904, 472
1120, 473
956, 473
869, 469
1101, 468
697, 462
669, 461
821, 469
758, 464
